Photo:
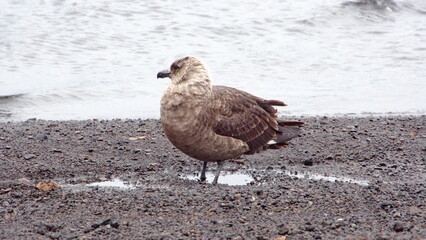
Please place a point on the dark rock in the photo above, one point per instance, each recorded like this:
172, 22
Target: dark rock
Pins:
258, 191
310, 228
234, 237
41, 137
386, 205
398, 227
104, 223
42, 228
136, 150
283, 229
227, 206
308, 162
54, 235
114, 224
161, 237
381, 237
122, 142
16, 195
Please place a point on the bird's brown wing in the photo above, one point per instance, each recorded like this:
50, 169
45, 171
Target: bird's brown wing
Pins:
243, 116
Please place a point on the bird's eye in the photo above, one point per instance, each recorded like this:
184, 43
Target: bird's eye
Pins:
174, 67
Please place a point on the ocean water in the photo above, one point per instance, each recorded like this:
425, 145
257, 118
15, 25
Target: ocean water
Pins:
77, 59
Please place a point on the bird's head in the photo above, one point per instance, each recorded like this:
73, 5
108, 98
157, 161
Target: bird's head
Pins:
186, 69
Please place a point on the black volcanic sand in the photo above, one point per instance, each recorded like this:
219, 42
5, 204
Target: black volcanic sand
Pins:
386, 154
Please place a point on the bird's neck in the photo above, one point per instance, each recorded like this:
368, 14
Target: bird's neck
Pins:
187, 94
196, 90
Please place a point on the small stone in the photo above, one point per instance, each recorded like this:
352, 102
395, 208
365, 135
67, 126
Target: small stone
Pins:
122, 142
114, 224
398, 227
258, 191
283, 230
227, 206
383, 238
397, 214
47, 186
310, 228
237, 237
106, 223
29, 156
308, 162
41, 137
152, 166
54, 235
4, 191
136, 150
239, 161
386, 205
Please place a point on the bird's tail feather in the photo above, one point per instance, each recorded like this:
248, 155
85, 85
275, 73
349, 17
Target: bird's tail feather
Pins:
287, 130
286, 133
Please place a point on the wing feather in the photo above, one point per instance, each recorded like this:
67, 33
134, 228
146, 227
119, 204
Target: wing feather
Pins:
244, 116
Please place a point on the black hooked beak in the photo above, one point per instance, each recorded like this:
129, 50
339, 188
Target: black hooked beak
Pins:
163, 74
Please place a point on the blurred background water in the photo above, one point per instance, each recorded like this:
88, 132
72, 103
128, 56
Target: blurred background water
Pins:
78, 59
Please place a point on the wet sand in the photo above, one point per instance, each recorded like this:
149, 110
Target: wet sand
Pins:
290, 193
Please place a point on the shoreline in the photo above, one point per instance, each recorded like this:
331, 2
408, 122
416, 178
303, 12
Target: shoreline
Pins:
386, 151
281, 114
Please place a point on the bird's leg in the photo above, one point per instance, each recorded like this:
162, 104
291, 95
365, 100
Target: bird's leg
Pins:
219, 168
203, 172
